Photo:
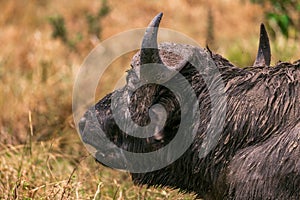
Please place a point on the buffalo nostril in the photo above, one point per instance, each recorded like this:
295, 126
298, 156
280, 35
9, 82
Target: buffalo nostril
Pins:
81, 124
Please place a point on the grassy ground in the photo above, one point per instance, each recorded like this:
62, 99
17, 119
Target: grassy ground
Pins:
41, 155
46, 170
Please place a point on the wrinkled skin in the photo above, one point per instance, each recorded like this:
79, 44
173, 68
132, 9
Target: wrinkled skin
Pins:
257, 155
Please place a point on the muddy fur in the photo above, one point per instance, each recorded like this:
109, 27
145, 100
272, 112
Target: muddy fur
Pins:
257, 155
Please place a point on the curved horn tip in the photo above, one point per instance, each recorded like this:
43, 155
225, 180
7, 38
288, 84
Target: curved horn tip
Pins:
263, 29
156, 20
149, 49
264, 51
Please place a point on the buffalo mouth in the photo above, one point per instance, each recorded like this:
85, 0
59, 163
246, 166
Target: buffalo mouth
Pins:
93, 128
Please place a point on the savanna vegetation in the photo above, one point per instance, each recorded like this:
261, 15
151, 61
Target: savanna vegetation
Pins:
43, 44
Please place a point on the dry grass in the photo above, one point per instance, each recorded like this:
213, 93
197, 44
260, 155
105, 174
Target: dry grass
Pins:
41, 156
46, 170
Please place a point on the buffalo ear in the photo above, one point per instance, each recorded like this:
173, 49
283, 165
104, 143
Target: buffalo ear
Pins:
264, 52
